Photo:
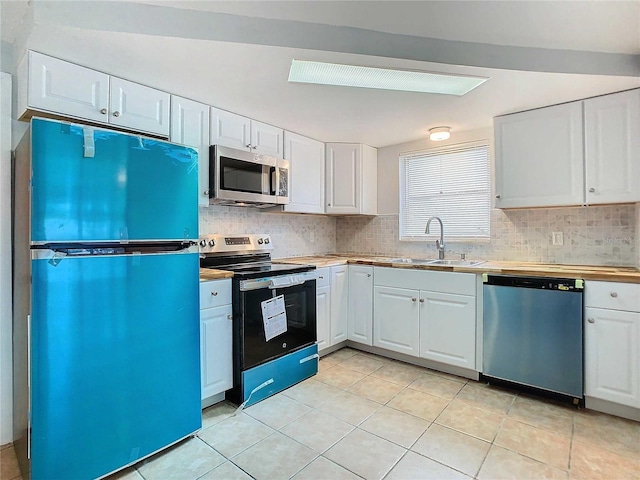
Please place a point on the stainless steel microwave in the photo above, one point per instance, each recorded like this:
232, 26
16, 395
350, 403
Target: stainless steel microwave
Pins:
237, 177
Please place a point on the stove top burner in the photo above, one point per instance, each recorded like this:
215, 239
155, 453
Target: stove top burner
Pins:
244, 255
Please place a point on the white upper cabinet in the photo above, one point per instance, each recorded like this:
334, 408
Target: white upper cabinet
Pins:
138, 107
539, 157
267, 139
306, 173
612, 148
59, 87
190, 126
578, 153
230, 130
235, 131
351, 179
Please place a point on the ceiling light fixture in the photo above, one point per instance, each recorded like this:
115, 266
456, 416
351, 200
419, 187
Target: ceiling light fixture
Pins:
437, 134
303, 71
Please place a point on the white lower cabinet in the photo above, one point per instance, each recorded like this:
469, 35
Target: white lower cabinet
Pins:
612, 343
427, 314
448, 328
331, 305
396, 323
216, 337
339, 303
360, 317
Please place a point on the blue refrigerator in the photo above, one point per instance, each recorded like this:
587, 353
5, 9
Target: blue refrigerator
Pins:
111, 335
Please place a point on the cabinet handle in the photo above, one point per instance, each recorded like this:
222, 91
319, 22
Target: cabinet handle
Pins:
614, 294
498, 196
103, 111
368, 274
422, 300
116, 114
413, 299
591, 190
215, 294
321, 277
591, 320
229, 317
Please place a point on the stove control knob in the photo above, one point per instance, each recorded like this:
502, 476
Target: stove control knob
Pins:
266, 240
260, 241
203, 243
212, 243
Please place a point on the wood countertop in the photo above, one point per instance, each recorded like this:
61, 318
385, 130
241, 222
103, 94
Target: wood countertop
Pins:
587, 272
212, 274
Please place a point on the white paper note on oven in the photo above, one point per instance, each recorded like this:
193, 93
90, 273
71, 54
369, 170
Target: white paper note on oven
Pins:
274, 317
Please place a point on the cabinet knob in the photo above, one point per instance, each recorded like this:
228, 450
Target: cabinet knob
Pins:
413, 299
614, 294
591, 190
248, 145
229, 317
215, 294
498, 196
206, 192
116, 114
368, 274
103, 111
591, 320
422, 300
321, 277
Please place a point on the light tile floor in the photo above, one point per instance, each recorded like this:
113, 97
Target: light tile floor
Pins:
365, 416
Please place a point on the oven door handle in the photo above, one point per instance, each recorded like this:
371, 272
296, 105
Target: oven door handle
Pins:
282, 281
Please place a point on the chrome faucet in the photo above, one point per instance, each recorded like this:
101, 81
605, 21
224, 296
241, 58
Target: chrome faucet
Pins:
439, 243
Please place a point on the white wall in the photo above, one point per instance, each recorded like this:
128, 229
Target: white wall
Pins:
388, 195
6, 368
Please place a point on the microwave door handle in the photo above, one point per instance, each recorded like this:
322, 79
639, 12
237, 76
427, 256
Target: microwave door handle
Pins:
273, 180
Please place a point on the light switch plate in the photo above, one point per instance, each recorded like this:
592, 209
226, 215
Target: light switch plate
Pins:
557, 238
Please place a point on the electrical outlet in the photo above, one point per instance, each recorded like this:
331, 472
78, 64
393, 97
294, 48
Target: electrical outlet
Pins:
557, 238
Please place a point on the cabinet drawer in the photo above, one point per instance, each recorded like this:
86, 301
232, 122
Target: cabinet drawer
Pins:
612, 295
324, 276
215, 293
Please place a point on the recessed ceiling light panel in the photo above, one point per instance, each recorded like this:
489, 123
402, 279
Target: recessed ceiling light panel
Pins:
383, 78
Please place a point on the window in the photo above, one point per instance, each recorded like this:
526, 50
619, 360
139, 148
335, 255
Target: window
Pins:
451, 183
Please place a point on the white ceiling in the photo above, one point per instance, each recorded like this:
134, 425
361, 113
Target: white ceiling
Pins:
204, 58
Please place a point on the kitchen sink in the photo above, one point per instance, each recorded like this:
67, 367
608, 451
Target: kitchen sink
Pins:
456, 263
415, 261
446, 263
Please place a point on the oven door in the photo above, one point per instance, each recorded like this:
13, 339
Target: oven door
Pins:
300, 308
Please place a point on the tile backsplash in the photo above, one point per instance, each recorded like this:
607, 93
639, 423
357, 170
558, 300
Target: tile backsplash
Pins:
292, 234
597, 235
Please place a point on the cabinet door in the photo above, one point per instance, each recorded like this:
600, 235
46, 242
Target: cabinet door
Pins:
343, 174
360, 321
138, 107
230, 130
190, 126
396, 323
339, 303
448, 329
62, 87
306, 173
539, 157
267, 139
216, 342
323, 316
612, 356
612, 148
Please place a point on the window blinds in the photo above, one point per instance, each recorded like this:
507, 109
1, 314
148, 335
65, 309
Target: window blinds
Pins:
452, 183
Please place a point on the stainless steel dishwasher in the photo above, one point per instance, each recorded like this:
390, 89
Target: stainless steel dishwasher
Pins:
532, 333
